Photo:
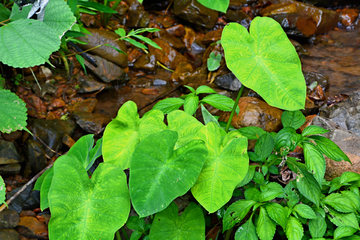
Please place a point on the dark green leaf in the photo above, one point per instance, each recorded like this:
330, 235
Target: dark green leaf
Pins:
264, 146
97, 6
220, 102
270, 191
265, 227
168, 105
252, 194
294, 119
329, 148
305, 211
312, 130
258, 178
81, 61
314, 161
236, 212
317, 227
115, 48
135, 235
294, 229
286, 140
136, 223
249, 176
246, 231
291, 195
252, 133
4, 13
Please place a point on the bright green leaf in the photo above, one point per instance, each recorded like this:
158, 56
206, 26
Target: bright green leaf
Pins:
191, 103
121, 32
249, 176
158, 174
2, 191
218, 5
204, 89
340, 203
135, 43
169, 104
168, 225
294, 119
252, 133
317, 227
213, 62
208, 117
314, 161
236, 212
270, 191
329, 148
305, 211
343, 231
277, 213
294, 229
266, 62
220, 102
343, 219
246, 231
312, 130
44, 191
265, 227
148, 41
347, 177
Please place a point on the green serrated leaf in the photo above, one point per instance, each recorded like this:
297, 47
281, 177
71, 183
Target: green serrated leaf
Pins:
204, 89
343, 219
266, 62
270, 191
2, 191
246, 231
277, 213
252, 133
169, 225
191, 103
236, 212
265, 227
329, 148
97, 6
252, 193
264, 146
314, 161
305, 211
343, 231
13, 110
340, 203
312, 130
286, 140
294, 119
220, 102
347, 177
294, 229
317, 227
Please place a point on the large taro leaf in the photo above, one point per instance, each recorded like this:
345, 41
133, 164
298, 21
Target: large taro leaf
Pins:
124, 133
169, 225
159, 174
12, 112
265, 61
83, 208
185, 125
218, 5
225, 167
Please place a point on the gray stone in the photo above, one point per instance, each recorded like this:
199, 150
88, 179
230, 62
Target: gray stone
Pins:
10, 169
228, 81
9, 219
18, 202
36, 156
9, 153
346, 114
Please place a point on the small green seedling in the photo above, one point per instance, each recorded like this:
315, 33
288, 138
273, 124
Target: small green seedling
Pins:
213, 62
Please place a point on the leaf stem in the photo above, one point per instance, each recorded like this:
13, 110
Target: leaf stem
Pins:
234, 108
117, 233
228, 233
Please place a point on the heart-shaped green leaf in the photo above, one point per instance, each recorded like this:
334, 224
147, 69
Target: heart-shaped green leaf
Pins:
266, 62
168, 225
158, 174
218, 5
124, 133
224, 168
83, 208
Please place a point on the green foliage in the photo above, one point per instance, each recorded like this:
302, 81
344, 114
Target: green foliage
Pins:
2, 191
28, 42
266, 62
12, 112
218, 5
191, 102
213, 62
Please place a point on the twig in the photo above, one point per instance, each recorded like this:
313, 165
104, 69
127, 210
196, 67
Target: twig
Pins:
25, 186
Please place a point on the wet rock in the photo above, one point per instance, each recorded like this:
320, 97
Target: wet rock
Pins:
146, 63
346, 114
122, 8
255, 112
195, 78
347, 141
90, 122
35, 106
228, 81
57, 103
237, 15
181, 70
27, 213
51, 132
87, 105
306, 18
134, 55
36, 156
168, 55
68, 141
348, 16
177, 30
10, 169
138, 17
9, 153
312, 77
45, 73
212, 36
31, 226
12, 136
196, 13
46, 88
33, 201
17, 204
107, 71
9, 219
170, 39
100, 37
89, 85
9, 234
159, 82
189, 37
310, 107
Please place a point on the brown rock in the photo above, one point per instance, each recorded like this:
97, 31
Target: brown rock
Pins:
32, 226
170, 39
182, 69
57, 103
189, 37
9, 234
255, 112
146, 62
212, 36
168, 55
68, 141
9, 219
90, 122
36, 107
348, 16
335, 169
88, 105
100, 37
150, 91
177, 30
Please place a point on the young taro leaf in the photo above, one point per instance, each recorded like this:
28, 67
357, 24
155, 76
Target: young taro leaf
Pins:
314, 161
329, 148
213, 62
224, 168
40, 180
265, 61
169, 225
305, 181
44, 191
123, 133
158, 174
86, 208
294, 119
12, 111
218, 5
265, 227
169, 104
208, 117
294, 229
246, 231
236, 212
